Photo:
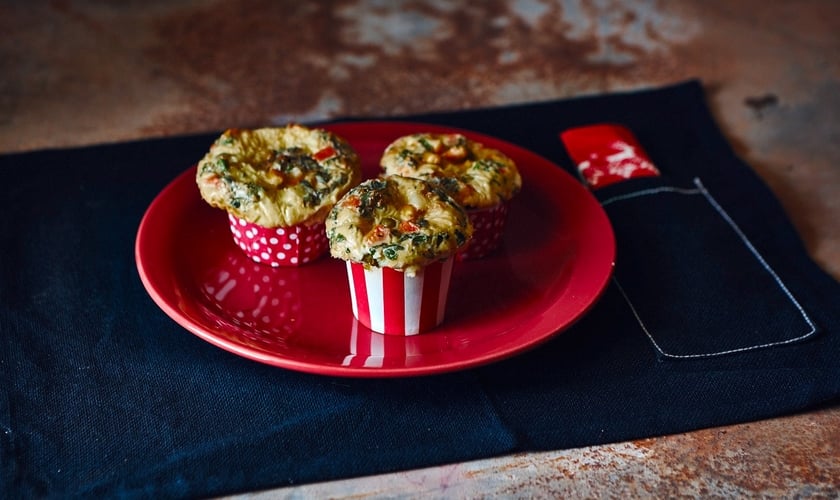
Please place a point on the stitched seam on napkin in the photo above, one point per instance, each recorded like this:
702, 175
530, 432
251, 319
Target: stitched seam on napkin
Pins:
701, 189
647, 192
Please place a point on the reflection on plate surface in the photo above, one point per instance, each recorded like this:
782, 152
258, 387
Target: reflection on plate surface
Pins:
555, 260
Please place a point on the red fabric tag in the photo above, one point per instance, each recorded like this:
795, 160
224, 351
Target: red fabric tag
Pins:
606, 154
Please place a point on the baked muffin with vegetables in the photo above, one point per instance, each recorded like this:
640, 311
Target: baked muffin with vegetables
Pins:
481, 179
277, 185
398, 236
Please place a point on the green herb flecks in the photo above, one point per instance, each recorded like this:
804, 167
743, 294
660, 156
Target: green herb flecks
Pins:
218, 166
311, 196
407, 158
323, 177
449, 185
335, 237
292, 159
487, 165
391, 250
372, 198
241, 194
419, 240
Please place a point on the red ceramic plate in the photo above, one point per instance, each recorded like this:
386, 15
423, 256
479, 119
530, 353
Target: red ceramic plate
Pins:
555, 260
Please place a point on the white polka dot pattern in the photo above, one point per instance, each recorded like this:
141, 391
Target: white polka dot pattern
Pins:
488, 229
282, 246
265, 303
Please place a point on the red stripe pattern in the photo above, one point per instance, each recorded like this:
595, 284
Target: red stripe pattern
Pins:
390, 302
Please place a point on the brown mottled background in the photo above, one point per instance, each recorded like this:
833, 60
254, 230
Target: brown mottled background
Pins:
96, 71
92, 71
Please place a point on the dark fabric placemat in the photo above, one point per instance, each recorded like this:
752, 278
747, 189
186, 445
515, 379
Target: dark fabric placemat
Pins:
102, 394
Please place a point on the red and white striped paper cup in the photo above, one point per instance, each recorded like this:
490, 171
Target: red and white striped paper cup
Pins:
488, 228
279, 246
391, 302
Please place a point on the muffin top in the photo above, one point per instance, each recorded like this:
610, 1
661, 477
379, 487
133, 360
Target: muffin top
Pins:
474, 175
398, 222
278, 176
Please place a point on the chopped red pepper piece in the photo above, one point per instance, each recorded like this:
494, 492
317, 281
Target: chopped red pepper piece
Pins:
407, 226
378, 234
352, 201
324, 154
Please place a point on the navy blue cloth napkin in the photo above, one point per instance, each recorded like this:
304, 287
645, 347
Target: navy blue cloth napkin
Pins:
716, 316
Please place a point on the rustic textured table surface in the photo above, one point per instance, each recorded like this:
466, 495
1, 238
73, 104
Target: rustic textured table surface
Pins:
86, 72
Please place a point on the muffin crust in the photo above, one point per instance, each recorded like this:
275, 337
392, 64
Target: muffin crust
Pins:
278, 176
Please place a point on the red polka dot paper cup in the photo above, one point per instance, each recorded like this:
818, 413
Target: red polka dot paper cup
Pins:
488, 229
391, 302
279, 246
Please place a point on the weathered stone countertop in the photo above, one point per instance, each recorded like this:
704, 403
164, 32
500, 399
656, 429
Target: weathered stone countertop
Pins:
84, 72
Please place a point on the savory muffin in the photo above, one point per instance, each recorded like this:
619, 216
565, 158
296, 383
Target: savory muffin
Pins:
397, 222
277, 185
475, 176
481, 179
278, 176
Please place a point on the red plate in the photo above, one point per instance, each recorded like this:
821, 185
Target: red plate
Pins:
555, 260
